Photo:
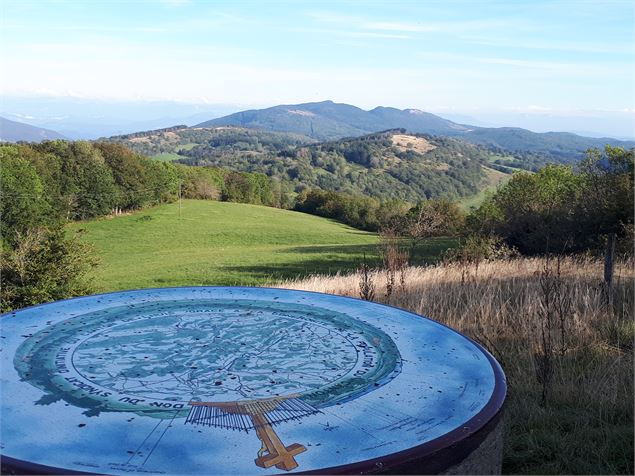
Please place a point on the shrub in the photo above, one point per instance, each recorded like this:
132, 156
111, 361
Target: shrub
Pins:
562, 210
44, 265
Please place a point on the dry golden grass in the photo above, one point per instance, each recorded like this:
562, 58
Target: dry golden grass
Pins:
405, 142
169, 136
586, 424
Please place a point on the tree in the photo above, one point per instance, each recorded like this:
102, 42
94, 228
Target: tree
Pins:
98, 193
539, 210
87, 184
262, 189
22, 204
163, 180
130, 173
43, 265
432, 218
391, 213
560, 209
237, 188
609, 178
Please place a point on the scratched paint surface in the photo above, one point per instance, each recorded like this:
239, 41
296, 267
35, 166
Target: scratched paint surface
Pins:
229, 380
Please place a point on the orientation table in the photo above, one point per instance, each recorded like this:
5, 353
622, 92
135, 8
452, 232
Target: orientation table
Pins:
231, 380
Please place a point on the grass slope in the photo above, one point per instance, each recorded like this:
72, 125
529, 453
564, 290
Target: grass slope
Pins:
221, 243
216, 243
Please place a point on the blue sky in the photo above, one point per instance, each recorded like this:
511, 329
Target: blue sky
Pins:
542, 57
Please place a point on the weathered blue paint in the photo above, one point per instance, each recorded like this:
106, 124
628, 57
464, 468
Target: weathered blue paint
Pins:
214, 380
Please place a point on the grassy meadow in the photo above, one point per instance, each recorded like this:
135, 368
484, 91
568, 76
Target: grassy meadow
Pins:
222, 243
585, 425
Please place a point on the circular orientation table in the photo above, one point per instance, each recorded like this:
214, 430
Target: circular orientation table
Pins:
229, 380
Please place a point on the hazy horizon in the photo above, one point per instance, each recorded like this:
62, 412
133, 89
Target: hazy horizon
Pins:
79, 118
545, 66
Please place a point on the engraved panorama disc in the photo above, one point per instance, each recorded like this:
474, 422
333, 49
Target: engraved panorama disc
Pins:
220, 380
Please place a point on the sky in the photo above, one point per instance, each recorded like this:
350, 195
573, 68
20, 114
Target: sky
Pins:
483, 60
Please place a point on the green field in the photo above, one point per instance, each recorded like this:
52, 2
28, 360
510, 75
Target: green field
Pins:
221, 243
506, 160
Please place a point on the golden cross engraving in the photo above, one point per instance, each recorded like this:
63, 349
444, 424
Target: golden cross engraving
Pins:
273, 451
278, 454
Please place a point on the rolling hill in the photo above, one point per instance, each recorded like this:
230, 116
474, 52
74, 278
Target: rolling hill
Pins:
389, 164
328, 121
282, 142
12, 131
174, 142
560, 146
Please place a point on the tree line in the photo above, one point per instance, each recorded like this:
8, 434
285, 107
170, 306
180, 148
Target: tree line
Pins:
563, 208
54, 181
559, 209
45, 185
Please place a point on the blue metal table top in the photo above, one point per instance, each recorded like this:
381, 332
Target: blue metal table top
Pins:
227, 380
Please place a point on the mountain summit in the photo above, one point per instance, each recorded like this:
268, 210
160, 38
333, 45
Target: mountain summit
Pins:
328, 120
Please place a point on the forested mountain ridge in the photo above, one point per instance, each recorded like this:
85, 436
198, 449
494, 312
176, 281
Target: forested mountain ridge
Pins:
389, 164
177, 140
380, 165
327, 120
553, 146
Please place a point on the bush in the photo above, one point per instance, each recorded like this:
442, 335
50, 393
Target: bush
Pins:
477, 248
43, 266
357, 211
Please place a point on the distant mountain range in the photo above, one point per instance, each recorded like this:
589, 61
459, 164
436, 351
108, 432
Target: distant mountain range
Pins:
330, 121
12, 131
327, 120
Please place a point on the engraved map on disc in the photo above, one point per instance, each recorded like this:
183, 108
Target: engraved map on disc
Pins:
229, 381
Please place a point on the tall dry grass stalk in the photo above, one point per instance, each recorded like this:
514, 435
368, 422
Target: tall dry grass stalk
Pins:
586, 423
